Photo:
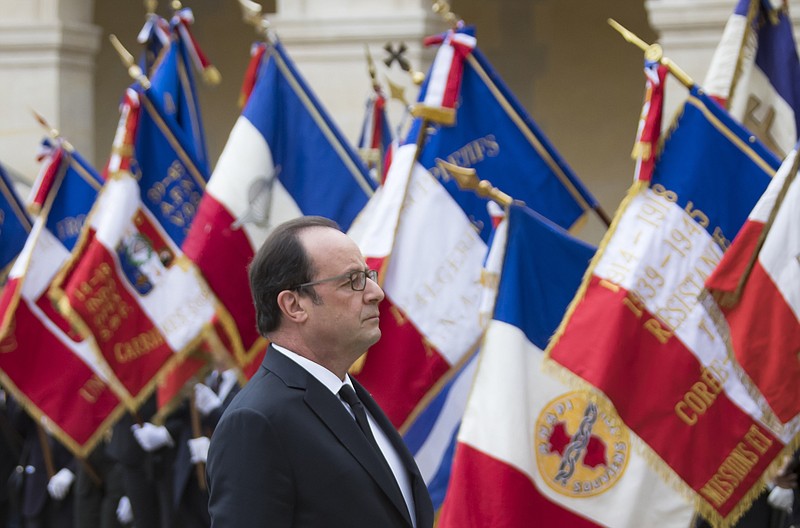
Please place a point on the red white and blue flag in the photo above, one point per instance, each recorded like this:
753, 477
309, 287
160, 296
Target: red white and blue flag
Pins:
430, 433
127, 284
422, 381
52, 371
169, 155
756, 286
755, 72
531, 450
154, 37
430, 258
376, 137
491, 132
284, 158
639, 315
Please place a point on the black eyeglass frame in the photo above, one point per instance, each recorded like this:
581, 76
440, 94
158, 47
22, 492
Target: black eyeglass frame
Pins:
358, 277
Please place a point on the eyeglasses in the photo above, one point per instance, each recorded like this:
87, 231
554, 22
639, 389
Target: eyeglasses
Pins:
358, 279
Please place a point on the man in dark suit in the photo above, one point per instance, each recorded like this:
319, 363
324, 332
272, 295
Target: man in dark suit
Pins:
296, 448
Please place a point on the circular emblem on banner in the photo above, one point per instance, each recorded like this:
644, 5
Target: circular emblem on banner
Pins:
582, 449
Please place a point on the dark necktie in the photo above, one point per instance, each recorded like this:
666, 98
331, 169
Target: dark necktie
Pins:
349, 396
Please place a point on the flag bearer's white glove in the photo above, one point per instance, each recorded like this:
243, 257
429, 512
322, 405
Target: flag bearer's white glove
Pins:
124, 511
151, 437
205, 399
781, 498
59, 484
198, 447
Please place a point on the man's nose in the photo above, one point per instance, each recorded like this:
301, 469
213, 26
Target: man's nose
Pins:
373, 292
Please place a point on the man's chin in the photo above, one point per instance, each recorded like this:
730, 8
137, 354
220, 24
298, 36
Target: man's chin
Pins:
375, 337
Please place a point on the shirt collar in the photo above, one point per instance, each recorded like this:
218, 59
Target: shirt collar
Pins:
320, 373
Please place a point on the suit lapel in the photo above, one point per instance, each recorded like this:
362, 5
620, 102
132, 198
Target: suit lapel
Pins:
330, 410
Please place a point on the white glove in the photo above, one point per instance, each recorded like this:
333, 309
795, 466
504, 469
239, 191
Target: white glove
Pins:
205, 400
124, 511
151, 437
198, 447
59, 484
781, 498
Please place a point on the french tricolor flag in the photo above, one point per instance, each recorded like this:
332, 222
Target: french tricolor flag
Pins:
430, 258
755, 72
639, 332
757, 285
44, 364
531, 450
284, 158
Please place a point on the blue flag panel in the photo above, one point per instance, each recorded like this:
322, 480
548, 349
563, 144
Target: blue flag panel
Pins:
315, 163
74, 198
713, 165
495, 135
15, 224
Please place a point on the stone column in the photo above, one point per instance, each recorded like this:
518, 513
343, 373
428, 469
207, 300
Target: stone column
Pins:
47, 53
327, 42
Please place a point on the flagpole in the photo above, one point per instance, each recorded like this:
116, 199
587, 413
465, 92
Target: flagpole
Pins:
134, 70
653, 52
52, 131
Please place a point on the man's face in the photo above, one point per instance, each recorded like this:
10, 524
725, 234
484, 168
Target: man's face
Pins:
344, 322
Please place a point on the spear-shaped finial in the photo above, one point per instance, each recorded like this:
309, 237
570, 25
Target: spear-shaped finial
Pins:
442, 7
652, 52
467, 179
51, 130
251, 14
133, 69
54, 133
371, 67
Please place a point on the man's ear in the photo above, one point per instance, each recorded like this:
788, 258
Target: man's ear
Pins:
290, 305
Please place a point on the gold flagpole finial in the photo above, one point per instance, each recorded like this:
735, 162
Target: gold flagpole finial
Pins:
396, 91
176, 5
54, 133
371, 66
467, 179
150, 6
133, 69
51, 130
652, 52
442, 8
251, 14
